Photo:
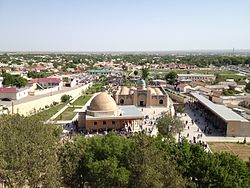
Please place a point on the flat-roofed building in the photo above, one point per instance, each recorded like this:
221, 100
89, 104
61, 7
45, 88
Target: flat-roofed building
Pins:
229, 122
196, 77
12, 93
100, 72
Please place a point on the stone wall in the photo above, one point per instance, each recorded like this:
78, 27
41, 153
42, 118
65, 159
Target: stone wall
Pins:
29, 107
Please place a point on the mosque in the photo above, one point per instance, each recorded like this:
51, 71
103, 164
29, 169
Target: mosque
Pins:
104, 114
141, 96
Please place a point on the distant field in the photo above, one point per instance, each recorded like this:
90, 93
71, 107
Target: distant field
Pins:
226, 72
242, 150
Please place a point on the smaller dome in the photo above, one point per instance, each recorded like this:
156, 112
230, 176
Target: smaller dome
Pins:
141, 82
158, 91
152, 90
124, 90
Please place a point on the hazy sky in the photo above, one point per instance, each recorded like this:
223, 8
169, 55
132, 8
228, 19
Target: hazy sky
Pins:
123, 25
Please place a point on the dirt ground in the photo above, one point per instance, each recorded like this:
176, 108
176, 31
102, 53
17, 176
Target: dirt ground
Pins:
242, 150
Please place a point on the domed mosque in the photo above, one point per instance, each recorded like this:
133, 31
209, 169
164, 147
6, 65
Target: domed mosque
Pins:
104, 114
141, 96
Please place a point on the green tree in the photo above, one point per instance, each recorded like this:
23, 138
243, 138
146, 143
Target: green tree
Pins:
28, 150
145, 73
66, 98
150, 166
168, 125
97, 161
247, 88
14, 80
171, 77
211, 170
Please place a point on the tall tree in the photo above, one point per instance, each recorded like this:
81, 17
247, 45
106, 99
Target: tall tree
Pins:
28, 149
14, 80
171, 77
145, 73
150, 166
168, 125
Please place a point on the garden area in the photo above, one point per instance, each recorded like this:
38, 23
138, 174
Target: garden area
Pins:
82, 100
48, 113
67, 114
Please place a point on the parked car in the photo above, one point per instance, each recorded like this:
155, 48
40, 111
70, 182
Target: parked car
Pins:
6, 99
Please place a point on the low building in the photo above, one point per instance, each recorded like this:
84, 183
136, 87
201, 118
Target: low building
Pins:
141, 96
45, 83
183, 87
104, 114
196, 77
69, 81
13, 93
100, 72
228, 122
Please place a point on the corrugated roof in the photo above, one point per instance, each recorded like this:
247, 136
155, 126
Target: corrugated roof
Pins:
221, 110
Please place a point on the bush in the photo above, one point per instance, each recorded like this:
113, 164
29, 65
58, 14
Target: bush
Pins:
46, 106
66, 98
55, 103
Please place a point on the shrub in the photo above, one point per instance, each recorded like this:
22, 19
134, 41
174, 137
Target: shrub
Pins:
55, 103
66, 98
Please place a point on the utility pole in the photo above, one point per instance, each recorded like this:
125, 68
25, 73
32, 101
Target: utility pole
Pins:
12, 108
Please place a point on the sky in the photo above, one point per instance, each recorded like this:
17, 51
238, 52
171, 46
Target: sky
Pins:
124, 25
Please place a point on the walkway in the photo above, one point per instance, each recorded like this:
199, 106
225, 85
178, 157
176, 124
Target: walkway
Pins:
192, 130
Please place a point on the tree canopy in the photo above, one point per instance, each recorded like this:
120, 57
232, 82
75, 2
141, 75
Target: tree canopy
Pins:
145, 73
28, 152
168, 125
31, 154
171, 77
14, 80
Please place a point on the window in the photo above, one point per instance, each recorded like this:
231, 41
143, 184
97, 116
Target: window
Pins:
122, 101
104, 122
95, 123
161, 101
113, 122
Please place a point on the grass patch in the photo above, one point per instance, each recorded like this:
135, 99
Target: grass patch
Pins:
46, 114
241, 150
82, 100
67, 114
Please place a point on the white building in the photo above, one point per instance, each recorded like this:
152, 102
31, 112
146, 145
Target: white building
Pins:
13, 93
196, 77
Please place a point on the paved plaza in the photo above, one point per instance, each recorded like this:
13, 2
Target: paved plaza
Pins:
194, 129
151, 114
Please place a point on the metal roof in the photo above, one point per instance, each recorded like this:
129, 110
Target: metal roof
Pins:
127, 112
100, 71
221, 110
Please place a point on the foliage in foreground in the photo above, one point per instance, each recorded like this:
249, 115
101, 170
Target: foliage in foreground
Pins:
30, 154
